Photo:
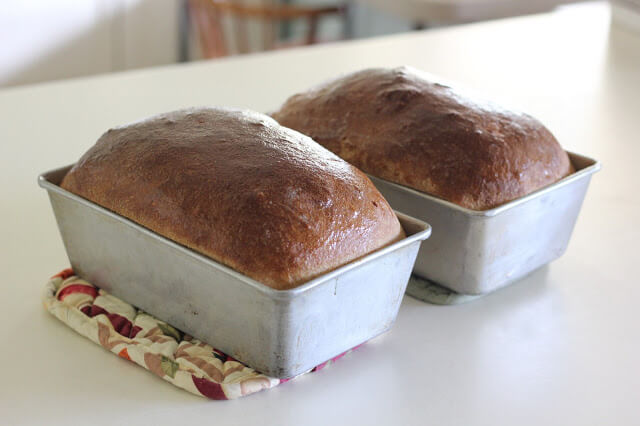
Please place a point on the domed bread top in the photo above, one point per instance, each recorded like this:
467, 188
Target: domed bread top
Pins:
236, 186
398, 125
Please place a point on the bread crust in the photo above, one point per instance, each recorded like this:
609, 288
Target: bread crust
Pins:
238, 187
398, 125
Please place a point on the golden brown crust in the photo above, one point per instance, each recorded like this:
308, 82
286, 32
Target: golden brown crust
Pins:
399, 126
239, 188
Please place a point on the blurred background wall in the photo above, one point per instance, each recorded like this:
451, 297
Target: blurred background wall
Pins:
52, 39
42, 40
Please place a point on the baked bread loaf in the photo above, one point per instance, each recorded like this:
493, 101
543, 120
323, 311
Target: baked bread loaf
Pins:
239, 188
398, 125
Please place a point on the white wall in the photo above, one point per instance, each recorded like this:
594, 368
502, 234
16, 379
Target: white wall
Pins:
43, 40
50, 39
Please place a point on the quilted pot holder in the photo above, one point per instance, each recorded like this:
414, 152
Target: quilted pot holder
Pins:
152, 344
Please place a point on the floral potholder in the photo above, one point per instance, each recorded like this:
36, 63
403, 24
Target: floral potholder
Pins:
152, 344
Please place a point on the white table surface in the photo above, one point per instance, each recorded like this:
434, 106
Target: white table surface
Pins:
560, 347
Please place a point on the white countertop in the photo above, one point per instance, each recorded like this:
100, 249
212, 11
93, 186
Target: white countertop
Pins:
560, 347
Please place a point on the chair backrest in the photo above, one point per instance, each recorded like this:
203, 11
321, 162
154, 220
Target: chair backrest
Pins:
208, 17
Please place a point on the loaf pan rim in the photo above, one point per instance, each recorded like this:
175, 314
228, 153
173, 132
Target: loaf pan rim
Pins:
592, 167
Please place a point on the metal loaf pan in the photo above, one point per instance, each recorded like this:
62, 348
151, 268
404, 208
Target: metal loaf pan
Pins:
476, 252
281, 333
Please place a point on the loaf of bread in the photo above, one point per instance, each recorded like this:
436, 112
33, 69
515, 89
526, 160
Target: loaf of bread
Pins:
398, 125
239, 188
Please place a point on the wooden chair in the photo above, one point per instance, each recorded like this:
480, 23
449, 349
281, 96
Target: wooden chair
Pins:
207, 18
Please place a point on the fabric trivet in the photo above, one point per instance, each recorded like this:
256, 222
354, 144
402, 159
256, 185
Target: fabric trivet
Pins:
152, 344
431, 292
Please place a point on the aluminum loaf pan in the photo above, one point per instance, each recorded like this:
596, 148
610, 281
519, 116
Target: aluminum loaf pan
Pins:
281, 333
476, 252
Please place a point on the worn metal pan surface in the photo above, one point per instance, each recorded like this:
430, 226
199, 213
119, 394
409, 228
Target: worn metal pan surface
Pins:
476, 252
281, 333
